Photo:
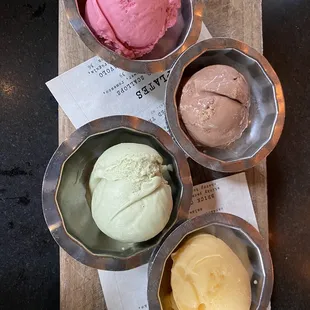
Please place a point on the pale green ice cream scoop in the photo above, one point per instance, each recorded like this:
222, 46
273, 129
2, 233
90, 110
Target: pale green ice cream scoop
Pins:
131, 200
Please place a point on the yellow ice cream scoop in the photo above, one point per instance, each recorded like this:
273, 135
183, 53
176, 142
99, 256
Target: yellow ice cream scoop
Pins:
208, 275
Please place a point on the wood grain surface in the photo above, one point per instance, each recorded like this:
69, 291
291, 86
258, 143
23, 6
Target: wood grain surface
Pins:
239, 19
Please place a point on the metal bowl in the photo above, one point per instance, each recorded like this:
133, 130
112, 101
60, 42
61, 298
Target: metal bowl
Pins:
187, 29
267, 110
66, 198
240, 236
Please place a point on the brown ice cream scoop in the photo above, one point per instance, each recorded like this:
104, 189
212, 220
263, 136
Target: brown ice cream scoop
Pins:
214, 105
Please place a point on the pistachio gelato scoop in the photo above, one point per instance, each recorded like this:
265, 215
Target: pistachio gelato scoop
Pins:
131, 200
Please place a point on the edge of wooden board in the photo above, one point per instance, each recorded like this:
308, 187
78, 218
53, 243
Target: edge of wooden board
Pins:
238, 19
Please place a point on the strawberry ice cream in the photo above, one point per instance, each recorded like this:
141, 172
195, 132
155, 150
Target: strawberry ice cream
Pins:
131, 27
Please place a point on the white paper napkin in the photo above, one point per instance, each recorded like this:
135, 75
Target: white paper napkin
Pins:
96, 89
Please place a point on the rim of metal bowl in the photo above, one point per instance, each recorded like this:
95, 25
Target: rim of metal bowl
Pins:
140, 66
52, 178
163, 252
172, 114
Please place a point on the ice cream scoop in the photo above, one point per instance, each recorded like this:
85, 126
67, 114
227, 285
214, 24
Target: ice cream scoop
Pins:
131, 27
214, 106
131, 200
207, 274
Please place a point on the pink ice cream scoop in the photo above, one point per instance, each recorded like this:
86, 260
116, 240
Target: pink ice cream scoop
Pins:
131, 27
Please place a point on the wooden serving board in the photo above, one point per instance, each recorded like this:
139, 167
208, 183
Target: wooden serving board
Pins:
239, 19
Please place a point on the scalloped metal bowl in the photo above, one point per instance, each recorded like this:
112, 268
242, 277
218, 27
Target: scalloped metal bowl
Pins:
240, 236
267, 110
66, 199
188, 27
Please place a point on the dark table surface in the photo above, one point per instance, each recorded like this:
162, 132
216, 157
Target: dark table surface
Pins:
29, 270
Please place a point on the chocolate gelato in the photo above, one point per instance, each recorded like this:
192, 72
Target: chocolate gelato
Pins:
214, 106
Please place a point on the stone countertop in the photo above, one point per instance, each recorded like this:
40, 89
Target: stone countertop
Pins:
286, 31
